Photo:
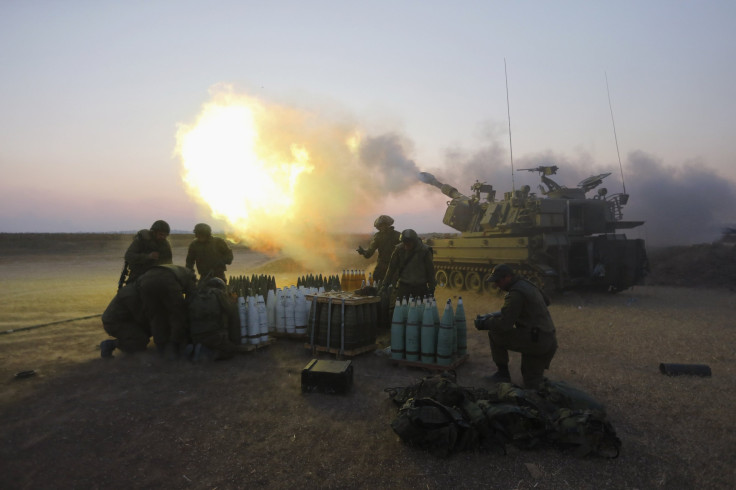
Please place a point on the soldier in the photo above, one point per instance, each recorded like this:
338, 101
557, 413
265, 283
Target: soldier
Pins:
149, 248
124, 319
210, 254
523, 325
162, 290
214, 322
411, 268
384, 242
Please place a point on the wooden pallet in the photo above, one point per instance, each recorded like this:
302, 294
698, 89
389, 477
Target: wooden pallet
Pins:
287, 335
336, 350
431, 367
262, 345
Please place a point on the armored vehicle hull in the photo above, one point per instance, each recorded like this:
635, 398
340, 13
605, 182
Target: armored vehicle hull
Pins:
560, 241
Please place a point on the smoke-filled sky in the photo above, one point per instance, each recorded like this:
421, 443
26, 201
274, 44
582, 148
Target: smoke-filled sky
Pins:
95, 98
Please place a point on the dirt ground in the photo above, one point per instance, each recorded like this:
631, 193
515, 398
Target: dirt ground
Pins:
140, 422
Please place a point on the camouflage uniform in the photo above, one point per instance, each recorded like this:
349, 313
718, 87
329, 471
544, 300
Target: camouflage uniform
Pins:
137, 255
524, 326
223, 337
412, 269
162, 290
212, 254
123, 319
384, 242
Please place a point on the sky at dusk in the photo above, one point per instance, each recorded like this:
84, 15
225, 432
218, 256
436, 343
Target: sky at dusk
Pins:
94, 93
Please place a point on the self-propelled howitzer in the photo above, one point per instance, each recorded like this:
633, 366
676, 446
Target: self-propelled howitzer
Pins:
559, 240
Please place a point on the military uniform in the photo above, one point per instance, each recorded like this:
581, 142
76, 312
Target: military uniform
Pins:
411, 271
524, 325
221, 334
138, 254
211, 255
384, 242
162, 290
124, 319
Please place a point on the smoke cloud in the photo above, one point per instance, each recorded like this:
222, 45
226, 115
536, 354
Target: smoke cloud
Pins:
333, 176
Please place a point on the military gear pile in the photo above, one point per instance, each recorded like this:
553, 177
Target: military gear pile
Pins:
442, 417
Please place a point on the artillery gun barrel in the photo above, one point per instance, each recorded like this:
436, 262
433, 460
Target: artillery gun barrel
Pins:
446, 189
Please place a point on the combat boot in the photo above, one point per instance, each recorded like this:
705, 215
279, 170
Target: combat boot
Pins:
106, 348
501, 376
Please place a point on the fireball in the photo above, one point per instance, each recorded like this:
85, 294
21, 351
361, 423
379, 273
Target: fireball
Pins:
282, 179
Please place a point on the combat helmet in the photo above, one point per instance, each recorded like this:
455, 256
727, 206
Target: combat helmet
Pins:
202, 229
383, 220
217, 283
161, 225
409, 236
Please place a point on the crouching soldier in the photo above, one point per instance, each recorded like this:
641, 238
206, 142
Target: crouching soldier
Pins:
162, 289
124, 319
523, 325
214, 323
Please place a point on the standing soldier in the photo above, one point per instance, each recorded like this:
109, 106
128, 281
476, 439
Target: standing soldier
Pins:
523, 325
210, 254
411, 268
162, 290
149, 248
384, 241
124, 319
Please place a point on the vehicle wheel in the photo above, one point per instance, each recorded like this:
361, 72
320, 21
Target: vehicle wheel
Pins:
488, 287
473, 282
440, 278
457, 280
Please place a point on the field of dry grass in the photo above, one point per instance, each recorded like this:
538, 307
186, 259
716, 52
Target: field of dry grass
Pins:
129, 422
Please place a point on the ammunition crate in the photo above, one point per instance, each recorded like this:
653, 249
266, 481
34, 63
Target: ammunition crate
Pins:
332, 377
342, 321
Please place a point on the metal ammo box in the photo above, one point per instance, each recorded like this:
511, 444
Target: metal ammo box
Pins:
327, 376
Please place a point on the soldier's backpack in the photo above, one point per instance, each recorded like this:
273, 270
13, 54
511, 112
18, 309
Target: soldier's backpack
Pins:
428, 424
205, 315
439, 415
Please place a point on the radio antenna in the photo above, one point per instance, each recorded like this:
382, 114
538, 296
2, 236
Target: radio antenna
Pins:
508, 111
610, 107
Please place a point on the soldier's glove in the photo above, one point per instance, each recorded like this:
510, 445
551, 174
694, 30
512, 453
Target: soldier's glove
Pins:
360, 250
480, 322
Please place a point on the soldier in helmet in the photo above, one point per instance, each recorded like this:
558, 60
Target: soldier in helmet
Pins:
214, 322
384, 242
523, 325
210, 254
124, 320
411, 268
163, 289
149, 248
